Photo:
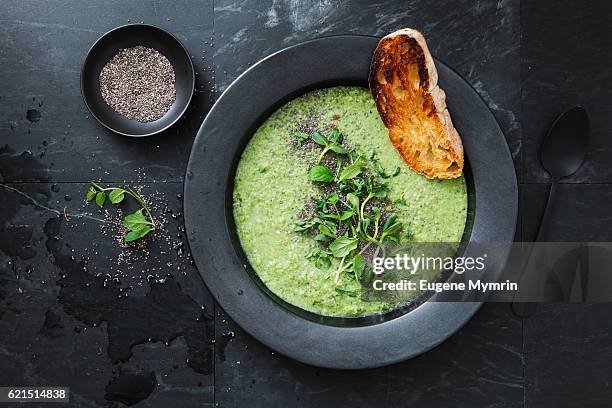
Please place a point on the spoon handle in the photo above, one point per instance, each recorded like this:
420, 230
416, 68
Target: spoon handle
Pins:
527, 309
547, 210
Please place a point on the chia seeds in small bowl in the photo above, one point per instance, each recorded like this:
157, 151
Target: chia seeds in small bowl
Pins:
138, 83
137, 80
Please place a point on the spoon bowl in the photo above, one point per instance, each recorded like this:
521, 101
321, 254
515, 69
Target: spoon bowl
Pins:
565, 146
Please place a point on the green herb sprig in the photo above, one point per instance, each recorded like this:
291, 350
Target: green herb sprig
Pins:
139, 223
330, 142
342, 223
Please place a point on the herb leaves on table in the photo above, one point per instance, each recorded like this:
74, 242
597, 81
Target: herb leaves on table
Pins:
139, 223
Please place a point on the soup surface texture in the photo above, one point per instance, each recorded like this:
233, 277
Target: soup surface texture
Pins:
272, 186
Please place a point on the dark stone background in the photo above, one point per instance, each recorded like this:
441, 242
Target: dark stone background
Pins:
65, 321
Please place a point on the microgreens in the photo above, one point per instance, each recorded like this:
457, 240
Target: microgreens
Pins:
138, 223
330, 142
344, 224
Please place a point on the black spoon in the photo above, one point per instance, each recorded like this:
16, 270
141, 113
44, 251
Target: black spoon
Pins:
563, 152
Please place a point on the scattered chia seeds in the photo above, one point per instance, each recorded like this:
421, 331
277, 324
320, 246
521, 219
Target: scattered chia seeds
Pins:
161, 255
138, 83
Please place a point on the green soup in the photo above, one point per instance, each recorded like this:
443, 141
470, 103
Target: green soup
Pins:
272, 186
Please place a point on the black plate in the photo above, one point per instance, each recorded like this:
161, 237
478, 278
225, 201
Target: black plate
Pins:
107, 47
349, 343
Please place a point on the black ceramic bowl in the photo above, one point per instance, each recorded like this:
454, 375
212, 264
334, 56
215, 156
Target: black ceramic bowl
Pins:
107, 47
335, 342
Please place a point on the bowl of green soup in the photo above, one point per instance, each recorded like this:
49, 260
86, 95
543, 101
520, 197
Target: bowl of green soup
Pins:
293, 189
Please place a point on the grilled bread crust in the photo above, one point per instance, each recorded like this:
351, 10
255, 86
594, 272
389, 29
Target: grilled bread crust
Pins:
404, 83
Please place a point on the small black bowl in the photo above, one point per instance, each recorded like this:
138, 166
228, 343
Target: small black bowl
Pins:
107, 47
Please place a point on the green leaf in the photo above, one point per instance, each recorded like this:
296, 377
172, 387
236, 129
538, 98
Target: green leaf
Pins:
318, 138
100, 198
137, 233
325, 230
321, 237
380, 191
393, 229
301, 225
116, 195
91, 194
338, 149
338, 160
346, 215
353, 201
332, 226
321, 173
342, 246
379, 168
329, 216
390, 221
301, 136
321, 204
348, 292
135, 220
359, 269
377, 214
400, 200
138, 225
323, 262
351, 171
365, 224
335, 136
333, 198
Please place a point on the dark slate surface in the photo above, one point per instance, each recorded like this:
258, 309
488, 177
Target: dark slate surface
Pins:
567, 346
65, 320
564, 48
59, 324
572, 370
581, 212
566, 45
479, 366
43, 49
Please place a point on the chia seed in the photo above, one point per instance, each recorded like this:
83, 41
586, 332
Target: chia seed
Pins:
138, 83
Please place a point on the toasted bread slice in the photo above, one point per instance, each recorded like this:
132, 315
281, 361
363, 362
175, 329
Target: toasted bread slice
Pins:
404, 83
